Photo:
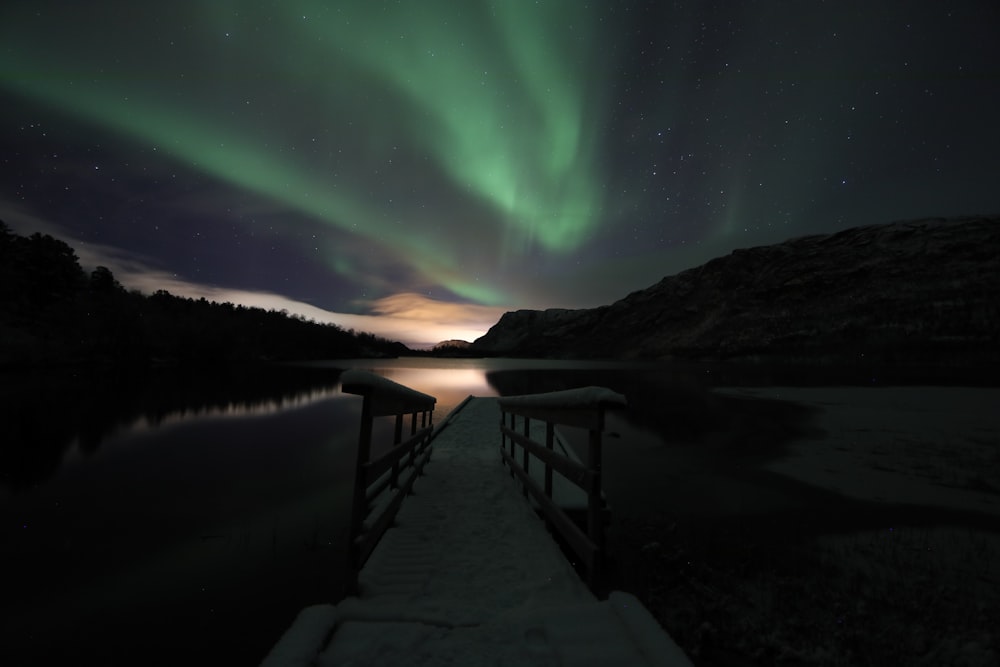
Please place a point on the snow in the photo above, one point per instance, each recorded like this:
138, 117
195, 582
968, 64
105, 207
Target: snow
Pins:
919, 445
618, 631
931, 448
583, 397
470, 576
380, 383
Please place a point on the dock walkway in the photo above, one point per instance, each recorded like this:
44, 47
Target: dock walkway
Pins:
468, 575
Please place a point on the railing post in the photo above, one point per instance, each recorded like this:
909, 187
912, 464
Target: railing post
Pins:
397, 437
550, 433
503, 436
595, 524
579, 408
413, 431
513, 427
524, 452
383, 398
359, 502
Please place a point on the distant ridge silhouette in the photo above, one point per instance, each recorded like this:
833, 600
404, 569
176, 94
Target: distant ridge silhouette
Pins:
921, 291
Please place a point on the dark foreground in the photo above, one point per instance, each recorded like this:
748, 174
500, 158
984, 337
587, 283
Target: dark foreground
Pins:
745, 566
742, 566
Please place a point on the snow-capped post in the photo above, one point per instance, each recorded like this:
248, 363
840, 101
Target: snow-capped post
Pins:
372, 511
582, 408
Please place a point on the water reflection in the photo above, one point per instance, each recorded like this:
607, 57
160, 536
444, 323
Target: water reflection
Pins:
449, 385
452, 380
206, 516
211, 509
53, 418
239, 410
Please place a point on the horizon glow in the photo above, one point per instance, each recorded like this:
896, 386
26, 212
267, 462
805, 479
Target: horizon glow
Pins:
505, 155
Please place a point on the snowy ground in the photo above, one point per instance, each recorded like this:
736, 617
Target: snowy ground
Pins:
469, 576
936, 446
899, 564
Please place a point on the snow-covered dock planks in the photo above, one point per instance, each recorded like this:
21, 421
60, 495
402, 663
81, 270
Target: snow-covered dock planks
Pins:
582, 408
381, 484
469, 575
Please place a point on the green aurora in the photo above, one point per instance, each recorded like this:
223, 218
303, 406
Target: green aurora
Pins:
364, 158
496, 100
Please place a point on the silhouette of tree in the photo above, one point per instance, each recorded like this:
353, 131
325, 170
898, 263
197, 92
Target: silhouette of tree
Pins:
55, 313
102, 281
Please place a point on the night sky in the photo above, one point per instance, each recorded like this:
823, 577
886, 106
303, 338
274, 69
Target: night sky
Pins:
417, 168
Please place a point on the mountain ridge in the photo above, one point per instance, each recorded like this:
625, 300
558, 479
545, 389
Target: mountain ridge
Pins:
925, 289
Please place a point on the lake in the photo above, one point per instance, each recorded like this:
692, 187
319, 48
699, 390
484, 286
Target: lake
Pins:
182, 518
185, 519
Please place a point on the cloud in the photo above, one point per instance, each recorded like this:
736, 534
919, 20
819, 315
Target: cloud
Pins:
416, 321
413, 319
430, 321
418, 307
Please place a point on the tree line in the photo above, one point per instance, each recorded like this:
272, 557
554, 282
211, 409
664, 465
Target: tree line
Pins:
53, 312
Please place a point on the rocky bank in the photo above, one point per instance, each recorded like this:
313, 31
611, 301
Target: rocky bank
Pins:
923, 291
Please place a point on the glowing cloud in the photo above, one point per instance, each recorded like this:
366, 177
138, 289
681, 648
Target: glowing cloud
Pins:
464, 321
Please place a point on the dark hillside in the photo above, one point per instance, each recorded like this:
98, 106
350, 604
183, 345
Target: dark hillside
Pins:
924, 291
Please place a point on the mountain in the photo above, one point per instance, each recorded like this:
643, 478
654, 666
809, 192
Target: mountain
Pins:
911, 291
452, 344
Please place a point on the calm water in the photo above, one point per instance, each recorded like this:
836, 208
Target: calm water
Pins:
179, 520
186, 520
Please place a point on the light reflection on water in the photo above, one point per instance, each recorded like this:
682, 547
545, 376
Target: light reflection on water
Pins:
133, 431
229, 411
452, 380
226, 492
187, 518
219, 521
449, 386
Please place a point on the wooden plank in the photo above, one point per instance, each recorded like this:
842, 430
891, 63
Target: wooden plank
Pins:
386, 397
583, 407
380, 485
390, 405
425, 446
407, 486
359, 500
580, 398
595, 525
422, 460
374, 469
367, 542
550, 437
575, 472
588, 418
575, 537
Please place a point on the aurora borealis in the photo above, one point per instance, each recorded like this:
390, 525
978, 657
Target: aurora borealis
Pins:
417, 168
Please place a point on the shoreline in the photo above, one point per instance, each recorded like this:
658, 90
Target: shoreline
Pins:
779, 558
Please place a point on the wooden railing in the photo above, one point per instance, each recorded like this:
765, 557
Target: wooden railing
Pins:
582, 408
381, 484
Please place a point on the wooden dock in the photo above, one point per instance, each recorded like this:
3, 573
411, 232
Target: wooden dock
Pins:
468, 573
